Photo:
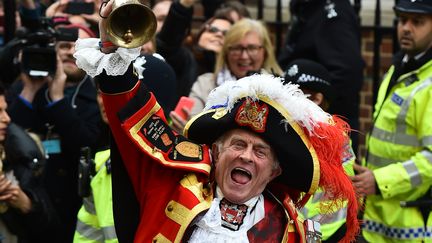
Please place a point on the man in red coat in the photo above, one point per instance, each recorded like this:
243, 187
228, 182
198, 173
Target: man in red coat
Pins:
243, 167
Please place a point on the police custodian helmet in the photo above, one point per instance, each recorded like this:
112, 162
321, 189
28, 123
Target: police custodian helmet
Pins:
414, 6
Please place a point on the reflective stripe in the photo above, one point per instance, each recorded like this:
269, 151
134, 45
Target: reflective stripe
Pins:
305, 211
401, 118
379, 161
331, 218
399, 136
395, 138
397, 232
427, 141
89, 232
317, 196
409, 165
89, 206
413, 173
427, 155
109, 232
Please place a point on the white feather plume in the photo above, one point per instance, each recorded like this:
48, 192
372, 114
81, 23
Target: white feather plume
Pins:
289, 96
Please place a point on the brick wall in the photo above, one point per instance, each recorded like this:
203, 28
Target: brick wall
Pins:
366, 95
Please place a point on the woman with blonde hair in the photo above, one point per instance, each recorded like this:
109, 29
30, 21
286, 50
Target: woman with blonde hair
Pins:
247, 49
247, 42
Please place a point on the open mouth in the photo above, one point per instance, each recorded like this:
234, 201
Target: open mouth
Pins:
240, 175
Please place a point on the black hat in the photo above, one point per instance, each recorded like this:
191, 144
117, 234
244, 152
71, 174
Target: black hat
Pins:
414, 6
308, 142
282, 115
310, 75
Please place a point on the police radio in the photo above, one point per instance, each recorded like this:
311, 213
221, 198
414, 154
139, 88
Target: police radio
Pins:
86, 170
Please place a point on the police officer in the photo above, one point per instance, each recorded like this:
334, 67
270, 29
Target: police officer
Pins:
399, 148
327, 32
95, 218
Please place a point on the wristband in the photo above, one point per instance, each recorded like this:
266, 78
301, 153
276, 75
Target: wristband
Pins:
105, 44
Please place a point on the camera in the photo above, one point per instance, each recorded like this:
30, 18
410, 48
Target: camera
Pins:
39, 61
39, 58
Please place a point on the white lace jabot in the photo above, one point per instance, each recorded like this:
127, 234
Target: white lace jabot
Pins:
93, 61
209, 228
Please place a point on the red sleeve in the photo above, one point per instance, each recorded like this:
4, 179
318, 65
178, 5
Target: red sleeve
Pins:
151, 151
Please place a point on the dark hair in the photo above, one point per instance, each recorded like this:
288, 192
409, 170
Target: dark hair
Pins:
2, 89
227, 7
203, 27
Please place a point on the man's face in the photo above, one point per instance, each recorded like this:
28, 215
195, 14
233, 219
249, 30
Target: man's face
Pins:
414, 32
244, 165
4, 118
65, 51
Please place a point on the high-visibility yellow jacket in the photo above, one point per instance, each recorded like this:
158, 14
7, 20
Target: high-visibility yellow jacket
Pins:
95, 218
330, 221
399, 153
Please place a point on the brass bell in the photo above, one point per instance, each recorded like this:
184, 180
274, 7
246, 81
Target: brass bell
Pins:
130, 24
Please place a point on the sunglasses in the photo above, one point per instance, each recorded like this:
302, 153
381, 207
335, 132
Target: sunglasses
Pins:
214, 30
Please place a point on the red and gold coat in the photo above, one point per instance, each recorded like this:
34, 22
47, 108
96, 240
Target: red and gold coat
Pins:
171, 175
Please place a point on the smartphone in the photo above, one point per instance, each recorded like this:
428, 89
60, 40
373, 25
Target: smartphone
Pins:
185, 102
77, 8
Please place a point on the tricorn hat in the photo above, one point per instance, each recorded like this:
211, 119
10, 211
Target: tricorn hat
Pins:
281, 114
414, 6
308, 142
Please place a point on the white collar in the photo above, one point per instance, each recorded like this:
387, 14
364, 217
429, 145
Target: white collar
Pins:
416, 57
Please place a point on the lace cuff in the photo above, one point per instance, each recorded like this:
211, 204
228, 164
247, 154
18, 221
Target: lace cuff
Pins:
93, 61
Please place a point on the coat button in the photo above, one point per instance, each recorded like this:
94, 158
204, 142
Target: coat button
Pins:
170, 208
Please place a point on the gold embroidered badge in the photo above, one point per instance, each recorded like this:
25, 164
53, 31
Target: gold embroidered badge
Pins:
252, 114
188, 149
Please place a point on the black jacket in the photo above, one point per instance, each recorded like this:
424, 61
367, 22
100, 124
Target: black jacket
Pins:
26, 160
188, 62
74, 122
333, 41
169, 43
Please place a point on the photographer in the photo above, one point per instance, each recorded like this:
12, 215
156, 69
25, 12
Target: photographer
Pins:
61, 108
41, 34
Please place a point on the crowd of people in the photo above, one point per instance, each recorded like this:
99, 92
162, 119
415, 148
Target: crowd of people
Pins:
94, 149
